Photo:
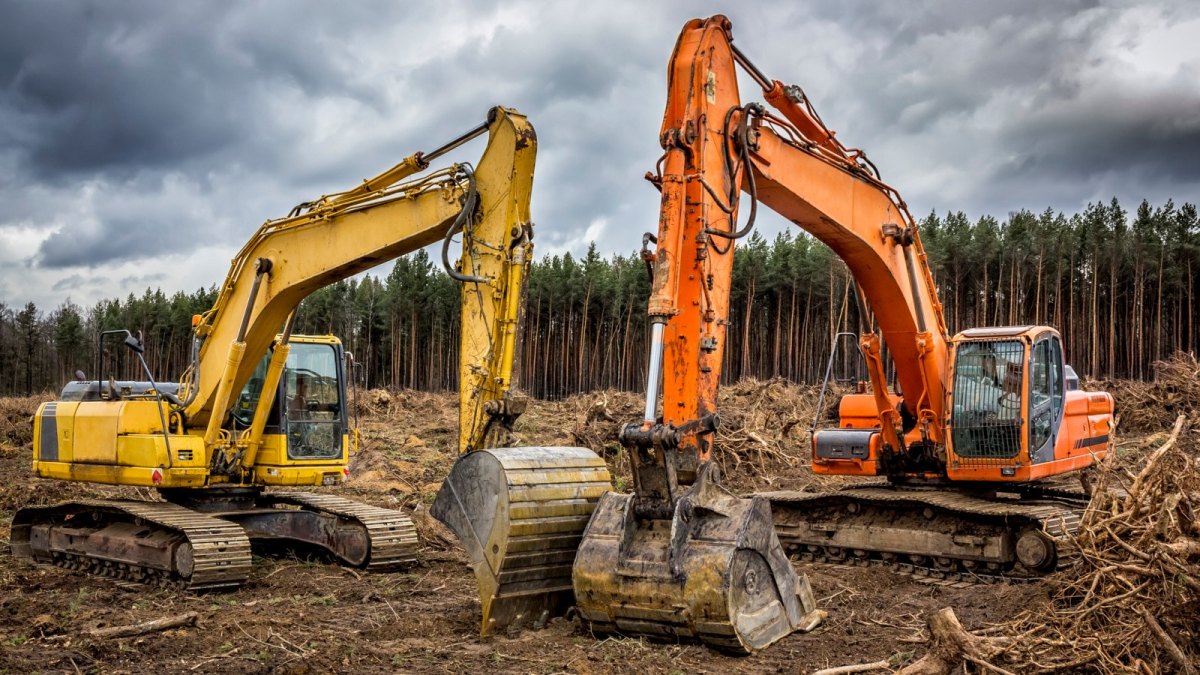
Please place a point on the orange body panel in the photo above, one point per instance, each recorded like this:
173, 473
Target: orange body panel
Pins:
850, 467
858, 411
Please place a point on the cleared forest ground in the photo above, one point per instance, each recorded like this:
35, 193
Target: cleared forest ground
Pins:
298, 615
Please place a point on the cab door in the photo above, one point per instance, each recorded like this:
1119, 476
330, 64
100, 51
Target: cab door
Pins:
313, 393
1045, 397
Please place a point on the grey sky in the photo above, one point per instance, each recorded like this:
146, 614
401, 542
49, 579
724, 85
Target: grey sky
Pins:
141, 142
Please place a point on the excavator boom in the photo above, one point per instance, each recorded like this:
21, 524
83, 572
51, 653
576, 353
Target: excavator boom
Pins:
488, 204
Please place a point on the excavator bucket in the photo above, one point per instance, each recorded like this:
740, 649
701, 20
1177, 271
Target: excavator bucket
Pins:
520, 514
715, 573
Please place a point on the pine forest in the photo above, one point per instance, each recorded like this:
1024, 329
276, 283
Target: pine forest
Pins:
1120, 286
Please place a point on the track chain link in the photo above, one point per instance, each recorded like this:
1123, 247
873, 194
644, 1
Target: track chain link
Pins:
220, 549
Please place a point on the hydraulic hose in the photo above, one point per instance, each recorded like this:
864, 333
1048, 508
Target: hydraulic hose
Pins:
743, 143
464, 216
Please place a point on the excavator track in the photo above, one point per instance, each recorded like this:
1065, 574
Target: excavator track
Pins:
391, 535
148, 542
923, 575
170, 544
941, 535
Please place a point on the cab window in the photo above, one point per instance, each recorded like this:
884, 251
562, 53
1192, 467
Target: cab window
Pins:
986, 415
312, 402
1041, 393
1057, 381
247, 401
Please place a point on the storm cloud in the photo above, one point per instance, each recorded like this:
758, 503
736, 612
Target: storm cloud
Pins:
141, 142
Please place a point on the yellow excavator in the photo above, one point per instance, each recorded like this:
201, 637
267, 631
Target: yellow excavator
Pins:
260, 408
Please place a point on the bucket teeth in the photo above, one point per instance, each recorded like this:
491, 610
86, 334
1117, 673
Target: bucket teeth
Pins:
715, 573
520, 514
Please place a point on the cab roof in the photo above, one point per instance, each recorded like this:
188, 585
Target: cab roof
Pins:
989, 332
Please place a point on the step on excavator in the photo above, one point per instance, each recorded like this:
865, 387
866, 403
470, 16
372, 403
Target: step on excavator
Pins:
965, 444
262, 408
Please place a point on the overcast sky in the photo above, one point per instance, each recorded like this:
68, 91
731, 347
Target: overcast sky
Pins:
142, 142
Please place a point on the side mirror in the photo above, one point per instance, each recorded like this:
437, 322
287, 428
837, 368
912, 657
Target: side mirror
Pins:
134, 344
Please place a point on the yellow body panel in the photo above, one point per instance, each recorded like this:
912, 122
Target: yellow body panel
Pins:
121, 443
94, 428
273, 467
274, 453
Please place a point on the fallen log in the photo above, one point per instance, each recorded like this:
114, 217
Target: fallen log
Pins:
143, 628
856, 668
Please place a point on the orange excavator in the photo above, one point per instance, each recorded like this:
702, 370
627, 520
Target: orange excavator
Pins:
962, 447
978, 424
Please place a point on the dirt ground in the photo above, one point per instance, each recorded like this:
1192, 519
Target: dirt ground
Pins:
300, 615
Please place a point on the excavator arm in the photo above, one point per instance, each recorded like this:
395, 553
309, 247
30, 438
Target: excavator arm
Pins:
682, 556
339, 235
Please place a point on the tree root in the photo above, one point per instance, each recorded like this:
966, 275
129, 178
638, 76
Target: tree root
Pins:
950, 644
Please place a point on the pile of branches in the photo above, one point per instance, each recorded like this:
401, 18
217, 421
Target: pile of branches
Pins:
765, 425
763, 433
377, 402
1129, 599
1152, 406
16, 420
